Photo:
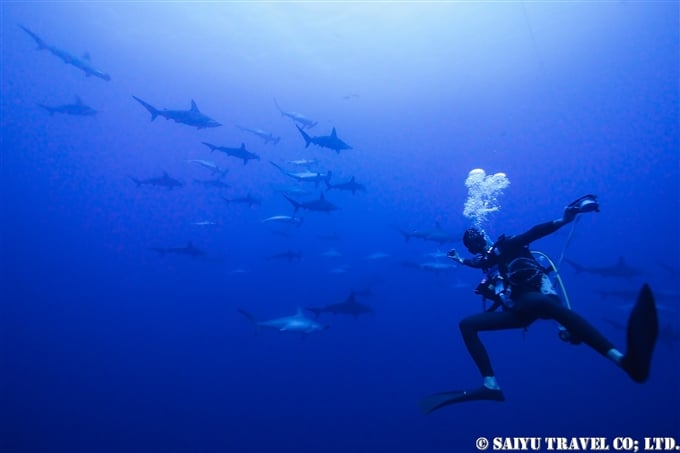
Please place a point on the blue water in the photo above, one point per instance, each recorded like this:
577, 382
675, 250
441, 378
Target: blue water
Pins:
108, 346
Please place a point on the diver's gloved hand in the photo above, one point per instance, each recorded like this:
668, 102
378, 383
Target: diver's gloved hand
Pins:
453, 255
587, 203
570, 213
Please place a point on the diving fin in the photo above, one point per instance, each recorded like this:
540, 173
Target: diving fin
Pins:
642, 332
438, 400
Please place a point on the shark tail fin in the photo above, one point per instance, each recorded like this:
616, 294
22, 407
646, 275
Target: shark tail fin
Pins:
153, 110
295, 204
276, 140
278, 107
210, 145
251, 318
315, 310
577, 267
49, 110
278, 166
406, 234
39, 42
136, 181
306, 136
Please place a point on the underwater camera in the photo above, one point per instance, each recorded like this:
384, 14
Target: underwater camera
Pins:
587, 203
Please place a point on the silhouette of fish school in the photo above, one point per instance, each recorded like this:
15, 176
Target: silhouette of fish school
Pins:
292, 202
295, 199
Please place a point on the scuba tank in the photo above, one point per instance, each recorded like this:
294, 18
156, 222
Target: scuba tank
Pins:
562, 332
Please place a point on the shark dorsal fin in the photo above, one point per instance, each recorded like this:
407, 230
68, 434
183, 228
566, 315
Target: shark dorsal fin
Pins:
621, 262
299, 312
243, 146
86, 56
351, 299
190, 245
437, 225
194, 107
333, 134
322, 197
352, 180
165, 174
78, 100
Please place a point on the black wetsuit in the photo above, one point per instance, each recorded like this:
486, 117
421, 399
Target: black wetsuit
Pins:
529, 303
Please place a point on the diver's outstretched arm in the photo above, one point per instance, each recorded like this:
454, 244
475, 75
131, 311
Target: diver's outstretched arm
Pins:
543, 229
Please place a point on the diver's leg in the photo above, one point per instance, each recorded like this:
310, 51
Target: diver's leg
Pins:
490, 391
642, 330
470, 326
549, 307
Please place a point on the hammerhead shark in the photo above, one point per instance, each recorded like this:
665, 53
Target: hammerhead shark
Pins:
321, 204
83, 63
349, 306
239, 153
437, 266
303, 162
189, 250
351, 186
296, 323
305, 176
293, 190
618, 270
77, 109
210, 165
297, 117
192, 117
248, 199
264, 135
325, 141
162, 181
290, 255
215, 183
437, 234
284, 219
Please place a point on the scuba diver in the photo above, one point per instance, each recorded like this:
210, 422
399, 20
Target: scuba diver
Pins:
516, 282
